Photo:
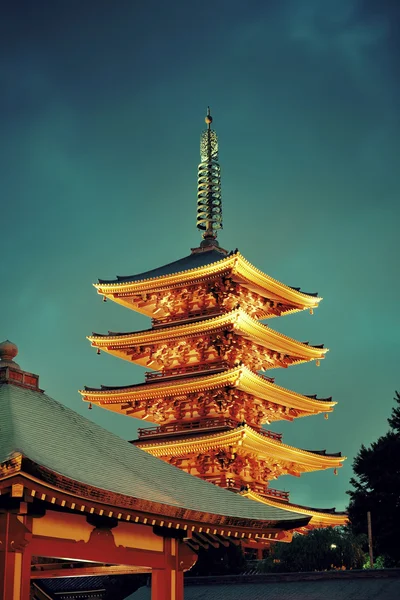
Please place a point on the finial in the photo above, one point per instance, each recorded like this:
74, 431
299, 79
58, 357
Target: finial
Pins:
209, 205
8, 351
208, 118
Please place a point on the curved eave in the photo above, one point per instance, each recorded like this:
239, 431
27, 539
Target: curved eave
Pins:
240, 377
318, 519
245, 437
39, 481
242, 269
238, 318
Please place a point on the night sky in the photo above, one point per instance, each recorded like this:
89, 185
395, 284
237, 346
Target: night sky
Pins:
101, 108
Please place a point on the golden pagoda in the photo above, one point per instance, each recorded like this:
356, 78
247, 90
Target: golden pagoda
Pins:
207, 393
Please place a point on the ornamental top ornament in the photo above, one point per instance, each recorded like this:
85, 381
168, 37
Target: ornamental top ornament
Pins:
209, 204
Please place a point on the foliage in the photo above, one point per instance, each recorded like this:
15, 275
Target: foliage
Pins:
379, 563
320, 550
377, 489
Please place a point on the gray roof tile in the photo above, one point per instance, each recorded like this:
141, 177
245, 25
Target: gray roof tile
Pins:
331, 589
54, 436
193, 261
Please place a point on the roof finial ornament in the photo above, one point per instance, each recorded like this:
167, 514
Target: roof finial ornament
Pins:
209, 204
8, 351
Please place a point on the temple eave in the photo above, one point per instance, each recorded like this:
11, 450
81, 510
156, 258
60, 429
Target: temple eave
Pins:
247, 439
241, 270
319, 517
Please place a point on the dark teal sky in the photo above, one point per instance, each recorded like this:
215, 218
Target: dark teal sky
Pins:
101, 108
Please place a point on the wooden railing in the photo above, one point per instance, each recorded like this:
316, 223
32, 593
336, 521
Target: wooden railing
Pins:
187, 317
210, 423
270, 434
189, 370
216, 423
239, 485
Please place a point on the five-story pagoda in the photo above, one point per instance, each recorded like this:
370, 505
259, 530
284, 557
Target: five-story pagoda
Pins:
207, 392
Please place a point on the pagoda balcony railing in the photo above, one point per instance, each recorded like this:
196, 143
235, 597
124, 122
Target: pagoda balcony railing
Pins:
187, 317
268, 491
270, 434
188, 370
216, 423
238, 485
205, 424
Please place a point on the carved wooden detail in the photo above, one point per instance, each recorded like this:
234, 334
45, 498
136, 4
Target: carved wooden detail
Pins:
221, 294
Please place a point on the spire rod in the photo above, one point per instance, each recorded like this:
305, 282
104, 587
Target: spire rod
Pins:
209, 204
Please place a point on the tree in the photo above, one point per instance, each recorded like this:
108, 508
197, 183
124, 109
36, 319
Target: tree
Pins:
377, 489
320, 550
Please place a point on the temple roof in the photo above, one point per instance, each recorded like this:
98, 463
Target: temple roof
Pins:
201, 266
240, 377
248, 439
187, 263
242, 324
320, 517
58, 440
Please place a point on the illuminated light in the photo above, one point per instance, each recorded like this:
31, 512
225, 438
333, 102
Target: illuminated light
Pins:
73, 505
110, 514
119, 516
91, 511
53, 500
82, 508
145, 520
33, 493
101, 512
63, 503
153, 522
43, 497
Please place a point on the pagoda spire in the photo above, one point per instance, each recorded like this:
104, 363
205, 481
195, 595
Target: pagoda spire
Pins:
209, 205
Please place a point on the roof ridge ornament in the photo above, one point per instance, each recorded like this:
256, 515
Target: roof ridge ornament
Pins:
209, 204
8, 351
11, 372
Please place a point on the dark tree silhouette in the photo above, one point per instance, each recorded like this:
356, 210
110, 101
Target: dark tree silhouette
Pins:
320, 550
377, 489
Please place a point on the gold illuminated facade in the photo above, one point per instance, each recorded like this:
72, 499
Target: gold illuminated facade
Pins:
207, 393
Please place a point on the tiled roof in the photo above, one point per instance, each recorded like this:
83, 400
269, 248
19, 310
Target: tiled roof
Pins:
328, 589
193, 261
57, 438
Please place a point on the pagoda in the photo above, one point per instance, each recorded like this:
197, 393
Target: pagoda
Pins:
207, 392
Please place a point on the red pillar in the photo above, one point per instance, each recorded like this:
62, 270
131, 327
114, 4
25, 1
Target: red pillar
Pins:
167, 583
15, 558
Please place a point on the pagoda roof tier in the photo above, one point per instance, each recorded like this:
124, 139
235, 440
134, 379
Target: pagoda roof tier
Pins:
237, 321
320, 517
247, 439
62, 457
205, 266
135, 398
